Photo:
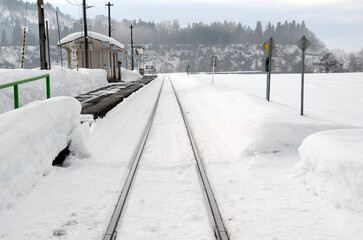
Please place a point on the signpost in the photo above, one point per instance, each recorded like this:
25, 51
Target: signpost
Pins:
269, 50
90, 47
139, 50
214, 64
267, 63
103, 45
150, 68
303, 44
74, 59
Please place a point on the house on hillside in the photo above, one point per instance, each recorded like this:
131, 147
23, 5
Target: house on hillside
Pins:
103, 53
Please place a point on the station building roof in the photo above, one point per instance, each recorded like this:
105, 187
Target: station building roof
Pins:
97, 36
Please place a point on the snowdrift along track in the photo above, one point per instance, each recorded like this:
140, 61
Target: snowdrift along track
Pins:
219, 229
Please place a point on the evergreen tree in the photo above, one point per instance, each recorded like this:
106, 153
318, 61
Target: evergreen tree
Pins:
31, 39
4, 38
18, 35
258, 33
269, 31
354, 64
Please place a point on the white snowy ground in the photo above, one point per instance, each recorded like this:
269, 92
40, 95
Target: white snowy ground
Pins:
63, 82
250, 147
77, 202
167, 199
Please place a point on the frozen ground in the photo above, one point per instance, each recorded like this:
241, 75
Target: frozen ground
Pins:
267, 187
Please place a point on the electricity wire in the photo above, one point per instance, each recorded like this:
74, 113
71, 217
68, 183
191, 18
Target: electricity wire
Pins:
74, 4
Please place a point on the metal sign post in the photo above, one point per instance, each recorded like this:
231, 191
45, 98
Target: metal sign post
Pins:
269, 50
303, 44
132, 49
139, 50
214, 64
104, 45
269, 71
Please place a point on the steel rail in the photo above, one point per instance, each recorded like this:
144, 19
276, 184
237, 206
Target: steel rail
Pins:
219, 228
111, 232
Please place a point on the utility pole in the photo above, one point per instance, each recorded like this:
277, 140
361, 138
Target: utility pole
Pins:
48, 44
60, 49
109, 5
42, 38
85, 33
132, 49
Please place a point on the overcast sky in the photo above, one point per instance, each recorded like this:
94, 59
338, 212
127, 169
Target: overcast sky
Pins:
336, 22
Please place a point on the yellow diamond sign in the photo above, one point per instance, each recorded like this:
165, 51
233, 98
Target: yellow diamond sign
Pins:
266, 48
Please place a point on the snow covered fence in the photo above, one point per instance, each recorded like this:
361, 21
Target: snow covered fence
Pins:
30, 139
332, 164
63, 82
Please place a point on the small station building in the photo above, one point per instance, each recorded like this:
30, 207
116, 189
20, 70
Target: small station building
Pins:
103, 53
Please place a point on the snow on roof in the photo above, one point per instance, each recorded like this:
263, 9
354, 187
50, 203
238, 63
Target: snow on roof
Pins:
94, 35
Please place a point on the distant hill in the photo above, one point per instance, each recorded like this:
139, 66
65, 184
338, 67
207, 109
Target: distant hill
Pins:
169, 46
15, 11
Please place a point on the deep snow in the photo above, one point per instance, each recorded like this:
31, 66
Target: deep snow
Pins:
265, 189
332, 162
263, 194
31, 138
63, 82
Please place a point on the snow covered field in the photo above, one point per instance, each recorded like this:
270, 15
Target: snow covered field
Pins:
253, 160
276, 174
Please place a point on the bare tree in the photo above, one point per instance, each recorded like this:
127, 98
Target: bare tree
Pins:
328, 63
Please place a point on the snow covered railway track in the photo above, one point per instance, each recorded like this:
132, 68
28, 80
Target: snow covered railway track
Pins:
219, 228
111, 232
171, 170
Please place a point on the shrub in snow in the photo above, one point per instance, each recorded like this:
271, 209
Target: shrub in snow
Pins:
332, 165
30, 139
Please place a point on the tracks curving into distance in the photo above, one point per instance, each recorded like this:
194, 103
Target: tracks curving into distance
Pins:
219, 228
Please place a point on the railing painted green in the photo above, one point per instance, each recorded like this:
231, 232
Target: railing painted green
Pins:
16, 90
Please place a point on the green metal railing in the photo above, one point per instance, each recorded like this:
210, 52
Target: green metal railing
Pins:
16, 90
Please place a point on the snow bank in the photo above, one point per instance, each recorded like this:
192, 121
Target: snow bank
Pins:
63, 82
129, 76
332, 164
263, 127
31, 138
269, 129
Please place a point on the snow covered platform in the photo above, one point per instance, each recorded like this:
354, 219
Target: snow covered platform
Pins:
100, 101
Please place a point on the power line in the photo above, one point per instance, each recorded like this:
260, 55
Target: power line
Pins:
96, 7
74, 4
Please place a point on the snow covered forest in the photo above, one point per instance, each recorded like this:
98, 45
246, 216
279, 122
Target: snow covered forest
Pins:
171, 47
